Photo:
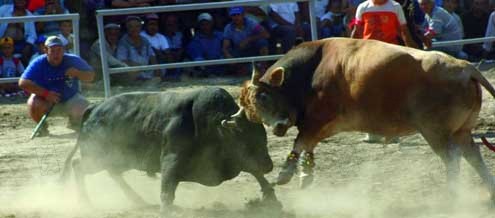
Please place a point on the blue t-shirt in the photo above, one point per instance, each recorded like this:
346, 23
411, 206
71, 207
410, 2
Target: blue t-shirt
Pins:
237, 35
53, 77
204, 47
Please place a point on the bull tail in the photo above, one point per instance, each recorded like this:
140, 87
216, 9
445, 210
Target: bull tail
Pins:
476, 74
67, 164
487, 144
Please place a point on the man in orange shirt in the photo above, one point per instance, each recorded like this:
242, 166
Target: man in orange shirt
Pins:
382, 20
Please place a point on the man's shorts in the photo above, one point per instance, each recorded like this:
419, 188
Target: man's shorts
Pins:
76, 103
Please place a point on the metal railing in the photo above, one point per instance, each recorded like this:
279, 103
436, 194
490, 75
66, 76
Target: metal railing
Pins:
186, 7
462, 41
43, 18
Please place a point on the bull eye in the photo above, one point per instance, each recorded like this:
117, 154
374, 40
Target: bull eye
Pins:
263, 97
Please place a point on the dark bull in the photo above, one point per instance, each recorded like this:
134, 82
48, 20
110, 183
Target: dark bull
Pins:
177, 134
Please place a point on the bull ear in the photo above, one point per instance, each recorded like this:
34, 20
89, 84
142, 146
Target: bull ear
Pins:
256, 75
276, 77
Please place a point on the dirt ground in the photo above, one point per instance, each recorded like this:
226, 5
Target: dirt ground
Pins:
353, 179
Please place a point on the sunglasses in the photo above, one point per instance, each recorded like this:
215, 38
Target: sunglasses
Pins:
234, 15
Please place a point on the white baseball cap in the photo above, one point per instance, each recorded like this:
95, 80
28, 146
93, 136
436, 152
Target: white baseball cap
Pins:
205, 16
53, 41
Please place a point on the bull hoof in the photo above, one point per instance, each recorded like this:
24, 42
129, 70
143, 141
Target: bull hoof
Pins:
265, 207
286, 175
273, 204
289, 168
305, 180
168, 209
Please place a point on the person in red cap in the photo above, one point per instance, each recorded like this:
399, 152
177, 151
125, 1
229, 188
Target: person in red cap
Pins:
10, 66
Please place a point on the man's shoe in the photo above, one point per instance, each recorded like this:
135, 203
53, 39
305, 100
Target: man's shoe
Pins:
43, 131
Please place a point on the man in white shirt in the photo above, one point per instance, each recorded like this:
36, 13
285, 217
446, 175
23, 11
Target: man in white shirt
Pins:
156, 39
286, 24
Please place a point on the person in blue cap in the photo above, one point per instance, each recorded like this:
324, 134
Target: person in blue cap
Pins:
244, 37
53, 81
40, 47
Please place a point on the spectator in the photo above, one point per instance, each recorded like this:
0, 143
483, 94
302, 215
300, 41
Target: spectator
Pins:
451, 7
53, 79
50, 28
66, 35
259, 14
206, 44
135, 50
415, 19
34, 5
24, 34
131, 3
158, 41
126, 4
382, 20
112, 36
321, 7
243, 37
332, 22
440, 26
490, 32
4, 2
475, 22
286, 24
186, 20
40, 47
9, 67
87, 23
350, 7
175, 40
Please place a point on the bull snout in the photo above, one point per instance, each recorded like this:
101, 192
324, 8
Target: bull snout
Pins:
281, 127
261, 164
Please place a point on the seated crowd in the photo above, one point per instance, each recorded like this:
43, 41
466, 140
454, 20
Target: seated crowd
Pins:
221, 33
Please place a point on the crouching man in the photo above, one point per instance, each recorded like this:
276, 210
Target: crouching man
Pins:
53, 81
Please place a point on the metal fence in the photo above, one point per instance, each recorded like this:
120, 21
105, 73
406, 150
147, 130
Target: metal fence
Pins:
143, 10
186, 7
43, 18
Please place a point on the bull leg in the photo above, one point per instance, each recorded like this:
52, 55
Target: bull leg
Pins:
268, 192
289, 168
308, 165
450, 153
473, 156
128, 191
308, 160
169, 181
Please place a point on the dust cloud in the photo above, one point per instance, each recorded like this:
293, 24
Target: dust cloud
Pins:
405, 193
373, 193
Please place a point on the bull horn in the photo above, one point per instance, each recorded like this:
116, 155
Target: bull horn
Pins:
231, 123
239, 113
256, 75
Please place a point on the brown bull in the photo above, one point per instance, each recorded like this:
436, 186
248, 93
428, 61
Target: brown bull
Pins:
340, 84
